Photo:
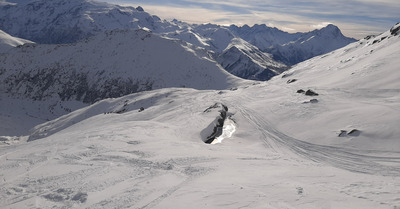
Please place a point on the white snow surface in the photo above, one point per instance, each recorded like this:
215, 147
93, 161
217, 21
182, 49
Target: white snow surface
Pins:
284, 153
111, 64
68, 21
8, 42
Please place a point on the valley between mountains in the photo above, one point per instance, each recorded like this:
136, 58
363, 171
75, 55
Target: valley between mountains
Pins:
140, 117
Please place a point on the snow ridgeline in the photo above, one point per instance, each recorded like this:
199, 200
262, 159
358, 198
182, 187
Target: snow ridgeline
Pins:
222, 127
260, 51
112, 64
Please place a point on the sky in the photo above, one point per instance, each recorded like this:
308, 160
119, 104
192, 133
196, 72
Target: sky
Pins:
356, 18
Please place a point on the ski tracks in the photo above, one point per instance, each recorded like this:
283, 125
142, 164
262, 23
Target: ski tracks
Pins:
367, 161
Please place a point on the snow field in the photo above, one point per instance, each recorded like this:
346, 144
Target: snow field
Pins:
285, 151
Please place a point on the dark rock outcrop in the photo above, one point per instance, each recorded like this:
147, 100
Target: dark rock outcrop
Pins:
311, 93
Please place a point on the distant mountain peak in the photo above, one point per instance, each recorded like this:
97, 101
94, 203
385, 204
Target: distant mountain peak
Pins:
332, 29
140, 9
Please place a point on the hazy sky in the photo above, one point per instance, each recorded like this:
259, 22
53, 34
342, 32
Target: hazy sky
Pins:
356, 18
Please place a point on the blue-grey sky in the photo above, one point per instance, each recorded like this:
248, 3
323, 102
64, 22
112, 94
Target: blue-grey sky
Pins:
356, 18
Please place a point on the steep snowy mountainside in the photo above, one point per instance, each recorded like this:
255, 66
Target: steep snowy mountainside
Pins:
7, 42
310, 44
292, 48
62, 21
372, 59
335, 145
67, 21
112, 64
247, 61
358, 88
263, 36
237, 56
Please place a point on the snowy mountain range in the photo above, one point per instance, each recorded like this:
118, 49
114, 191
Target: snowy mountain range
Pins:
108, 65
292, 48
62, 21
324, 134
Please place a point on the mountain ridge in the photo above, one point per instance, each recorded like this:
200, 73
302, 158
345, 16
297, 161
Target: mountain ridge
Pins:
62, 21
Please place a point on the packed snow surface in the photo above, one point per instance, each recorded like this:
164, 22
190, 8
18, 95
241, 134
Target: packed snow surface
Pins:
333, 145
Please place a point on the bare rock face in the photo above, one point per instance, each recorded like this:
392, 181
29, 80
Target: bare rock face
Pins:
395, 30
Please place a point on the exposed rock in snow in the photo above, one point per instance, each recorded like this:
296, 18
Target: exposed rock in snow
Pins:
283, 153
113, 64
108, 65
246, 61
64, 21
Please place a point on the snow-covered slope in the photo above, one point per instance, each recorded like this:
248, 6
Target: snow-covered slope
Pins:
64, 21
69, 21
310, 44
292, 48
247, 61
335, 148
8, 42
111, 64
263, 36
358, 89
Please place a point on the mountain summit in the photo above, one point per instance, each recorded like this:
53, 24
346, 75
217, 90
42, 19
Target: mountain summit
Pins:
65, 21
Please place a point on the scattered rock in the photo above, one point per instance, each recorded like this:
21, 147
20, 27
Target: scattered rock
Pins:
354, 132
311, 93
343, 133
54, 197
121, 111
300, 190
216, 105
286, 75
300, 91
80, 197
395, 30
133, 142
311, 101
291, 80
369, 37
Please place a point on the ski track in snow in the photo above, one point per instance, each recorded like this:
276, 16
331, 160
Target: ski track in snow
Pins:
124, 171
369, 162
